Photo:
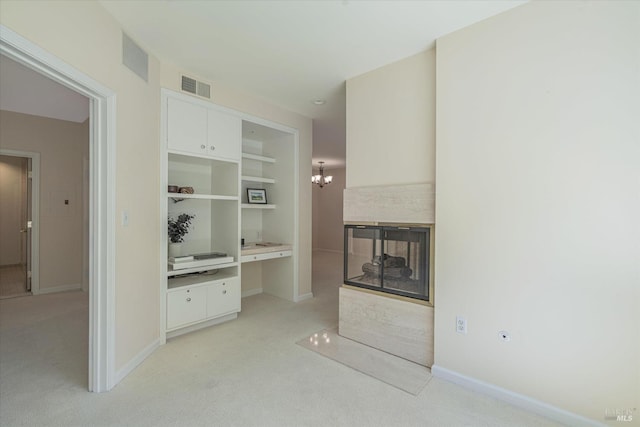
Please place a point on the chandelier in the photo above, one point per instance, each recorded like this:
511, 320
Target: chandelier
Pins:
321, 179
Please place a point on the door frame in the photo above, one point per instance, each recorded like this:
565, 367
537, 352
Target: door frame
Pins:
34, 234
102, 143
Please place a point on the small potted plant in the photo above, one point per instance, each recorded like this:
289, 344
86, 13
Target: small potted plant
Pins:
178, 228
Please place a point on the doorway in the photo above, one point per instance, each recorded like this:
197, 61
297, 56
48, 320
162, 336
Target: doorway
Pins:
101, 361
15, 225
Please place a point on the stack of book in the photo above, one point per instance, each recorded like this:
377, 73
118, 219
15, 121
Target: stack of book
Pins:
199, 260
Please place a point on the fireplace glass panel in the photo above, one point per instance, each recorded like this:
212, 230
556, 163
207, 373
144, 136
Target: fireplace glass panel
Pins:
388, 259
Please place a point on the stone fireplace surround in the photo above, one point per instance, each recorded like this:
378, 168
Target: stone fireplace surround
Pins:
398, 325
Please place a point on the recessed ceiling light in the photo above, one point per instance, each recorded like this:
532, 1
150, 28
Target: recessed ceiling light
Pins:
319, 101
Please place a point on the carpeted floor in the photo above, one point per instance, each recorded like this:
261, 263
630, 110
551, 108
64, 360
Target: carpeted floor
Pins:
12, 281
247, 372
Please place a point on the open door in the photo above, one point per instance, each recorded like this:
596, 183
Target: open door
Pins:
15, 226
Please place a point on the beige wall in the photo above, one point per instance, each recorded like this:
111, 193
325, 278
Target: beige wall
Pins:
12, 214
85, 36
232, 98
327, 213
537, 203
62, 146
391, 124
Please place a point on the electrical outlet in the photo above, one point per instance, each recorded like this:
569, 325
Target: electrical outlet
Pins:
461, 325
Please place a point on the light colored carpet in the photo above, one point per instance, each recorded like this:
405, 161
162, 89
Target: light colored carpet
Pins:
390, 369
12, 281
247, 372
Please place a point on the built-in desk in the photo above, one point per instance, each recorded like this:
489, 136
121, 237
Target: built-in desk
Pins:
264, 250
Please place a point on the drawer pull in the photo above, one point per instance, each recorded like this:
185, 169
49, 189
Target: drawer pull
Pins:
203, 146
189, 299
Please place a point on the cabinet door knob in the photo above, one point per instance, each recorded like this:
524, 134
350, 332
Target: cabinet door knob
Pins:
213, 147
203, 146
224, 291
189, 299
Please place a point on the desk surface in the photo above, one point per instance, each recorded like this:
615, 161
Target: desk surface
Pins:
264, 247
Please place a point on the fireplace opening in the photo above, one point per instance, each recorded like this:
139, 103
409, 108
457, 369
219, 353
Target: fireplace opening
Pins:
390, 259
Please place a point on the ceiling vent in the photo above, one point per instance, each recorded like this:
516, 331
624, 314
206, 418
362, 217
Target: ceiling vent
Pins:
195, 87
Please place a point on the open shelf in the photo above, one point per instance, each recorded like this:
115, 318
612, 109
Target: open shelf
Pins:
258, 179
171, 273
259, 158
200, 196
201, 279
256, 206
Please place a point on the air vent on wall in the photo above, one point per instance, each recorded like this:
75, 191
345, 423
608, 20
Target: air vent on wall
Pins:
135, 58
195, 87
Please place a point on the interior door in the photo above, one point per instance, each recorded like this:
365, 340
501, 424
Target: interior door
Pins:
28, 221
15, 242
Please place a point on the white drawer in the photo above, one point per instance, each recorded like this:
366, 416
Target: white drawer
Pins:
223, 297
266, 255
186, 306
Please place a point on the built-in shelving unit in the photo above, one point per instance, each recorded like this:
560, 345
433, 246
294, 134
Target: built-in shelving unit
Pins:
214, 154
268, 162
202, 156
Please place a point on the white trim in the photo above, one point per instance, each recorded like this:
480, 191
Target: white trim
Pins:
164, 239
251, 292
62, 288
296, 221
35, 213
525, 402
303, 297
102, 198
198, 326
136, 361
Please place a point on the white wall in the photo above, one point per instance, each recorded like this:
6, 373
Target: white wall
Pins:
62, 146
391, 124
537, 205
328, 226
85, 36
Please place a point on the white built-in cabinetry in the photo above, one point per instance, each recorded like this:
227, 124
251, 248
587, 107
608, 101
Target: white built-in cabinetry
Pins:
198, 130
220, 153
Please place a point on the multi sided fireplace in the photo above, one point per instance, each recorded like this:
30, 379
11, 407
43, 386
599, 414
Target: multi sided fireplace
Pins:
388, 259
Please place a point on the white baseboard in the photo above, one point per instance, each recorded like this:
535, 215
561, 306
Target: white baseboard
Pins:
250, 292
197, 326
303, 297
63, 288
133, 363
516, 399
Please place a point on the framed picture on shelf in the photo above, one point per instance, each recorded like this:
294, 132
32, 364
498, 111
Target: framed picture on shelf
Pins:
257, 196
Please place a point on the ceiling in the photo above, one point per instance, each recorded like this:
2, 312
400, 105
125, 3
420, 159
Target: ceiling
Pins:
287, 52
23, 90
293, 52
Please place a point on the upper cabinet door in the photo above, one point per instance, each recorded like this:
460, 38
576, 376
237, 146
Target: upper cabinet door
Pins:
186, 127
224, 135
